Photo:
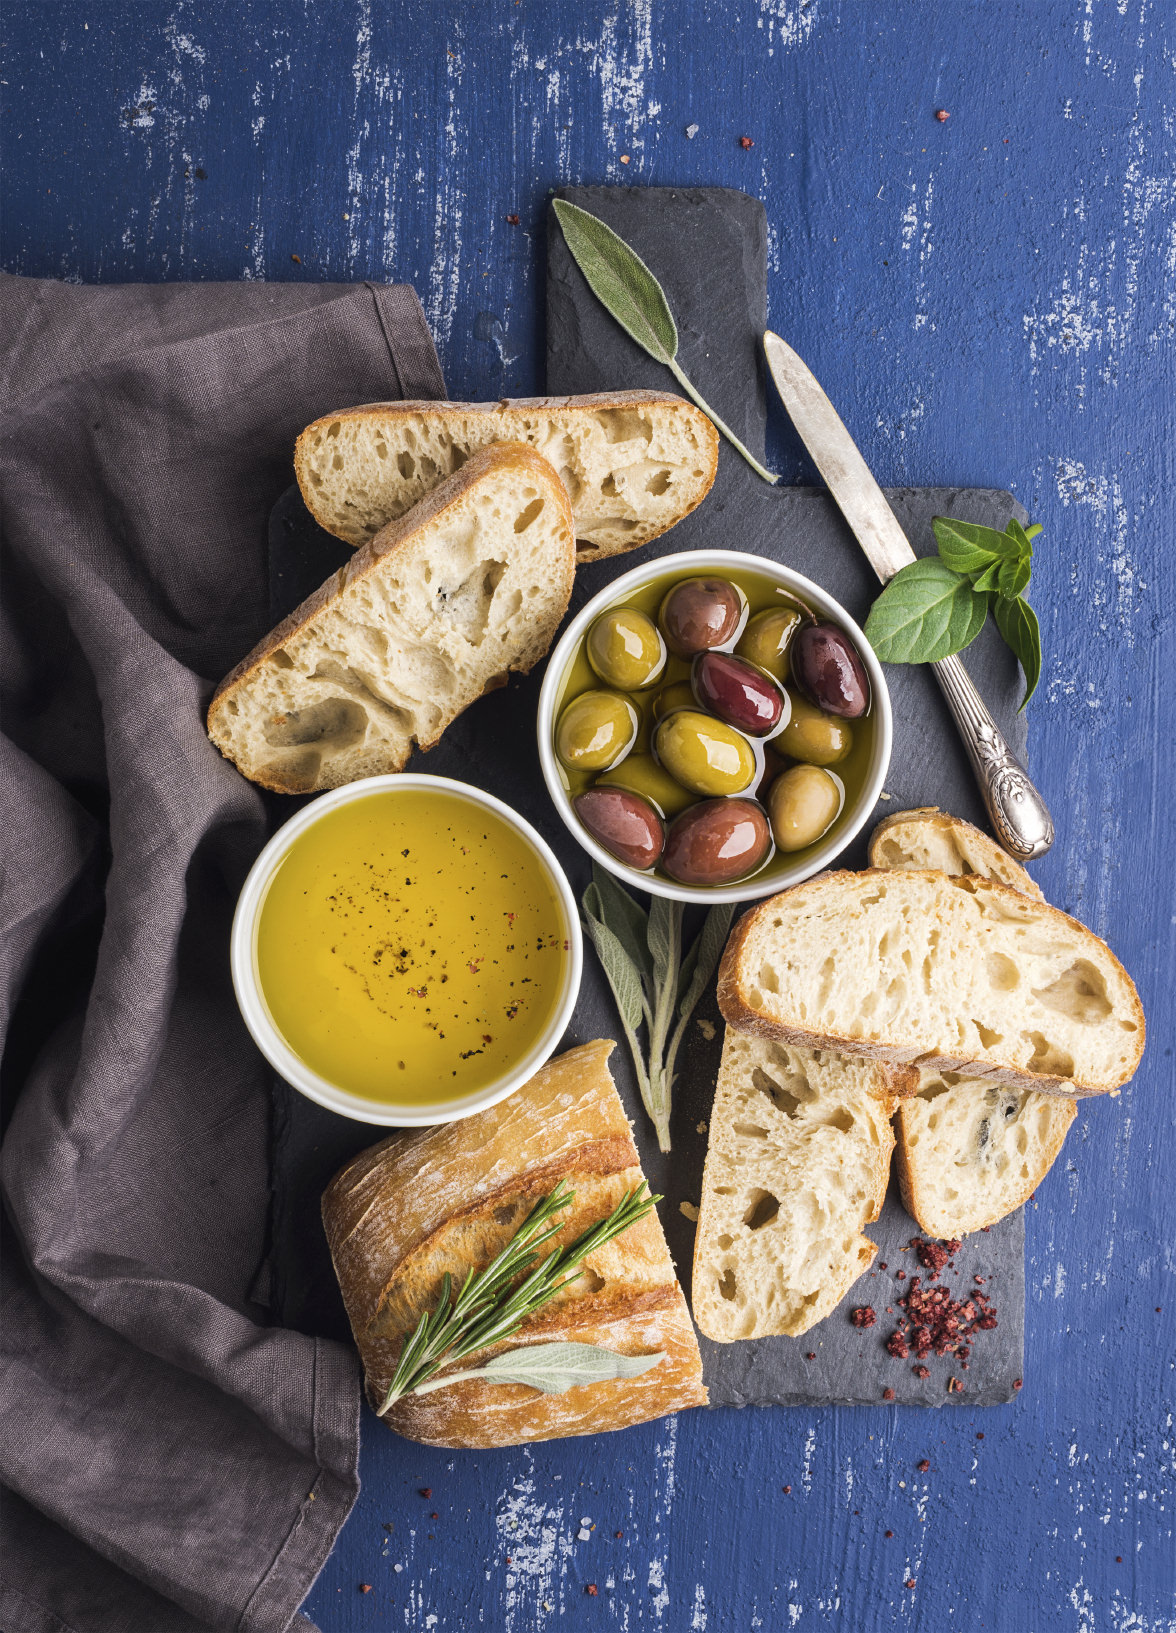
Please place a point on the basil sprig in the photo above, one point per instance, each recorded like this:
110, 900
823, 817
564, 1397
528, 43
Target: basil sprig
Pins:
939, 605
654, 986
626, 288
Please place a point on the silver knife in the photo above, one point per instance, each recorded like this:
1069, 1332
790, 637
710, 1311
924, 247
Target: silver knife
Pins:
1019, 814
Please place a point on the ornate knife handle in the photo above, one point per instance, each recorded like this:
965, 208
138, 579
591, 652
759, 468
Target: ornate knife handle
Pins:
1019, 814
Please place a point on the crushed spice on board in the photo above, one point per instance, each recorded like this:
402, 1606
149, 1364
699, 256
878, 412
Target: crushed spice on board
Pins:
863, 1316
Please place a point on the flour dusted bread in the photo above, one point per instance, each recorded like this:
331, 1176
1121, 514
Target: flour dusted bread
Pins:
969, 1152
956, 974
449, 1198
633, 462
929, 838
797, 1165
434, 611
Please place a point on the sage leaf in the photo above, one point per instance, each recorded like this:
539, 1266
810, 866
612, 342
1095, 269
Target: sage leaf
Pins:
703, 957
967, 547
622, 976
1019, 628
926, 612
552, 1368
665, 921
1013, 577
620, 280
625, 917
627, 289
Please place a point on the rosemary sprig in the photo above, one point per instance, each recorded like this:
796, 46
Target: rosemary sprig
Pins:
493, 1303
654, 986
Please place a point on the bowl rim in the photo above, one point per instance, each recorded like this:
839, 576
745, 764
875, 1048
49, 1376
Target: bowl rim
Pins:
255, 1012
687, 561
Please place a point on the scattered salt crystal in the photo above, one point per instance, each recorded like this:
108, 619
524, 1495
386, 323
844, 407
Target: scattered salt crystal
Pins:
584, 1534
691, 132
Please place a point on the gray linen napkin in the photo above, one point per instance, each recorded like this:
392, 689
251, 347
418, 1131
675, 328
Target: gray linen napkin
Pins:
169, 1460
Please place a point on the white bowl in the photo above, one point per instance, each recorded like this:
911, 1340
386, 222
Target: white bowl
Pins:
778, 875
251, 1001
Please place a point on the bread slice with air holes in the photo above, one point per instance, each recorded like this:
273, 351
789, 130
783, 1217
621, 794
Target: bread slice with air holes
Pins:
633, 462
955, 974
797, 1164
432, 613
969, 1153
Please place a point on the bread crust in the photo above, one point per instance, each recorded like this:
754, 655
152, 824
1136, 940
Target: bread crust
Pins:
398, 536
739, 1013
589, 402
998, 864
403, 1213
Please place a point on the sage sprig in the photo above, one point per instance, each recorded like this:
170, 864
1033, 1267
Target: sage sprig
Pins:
939, 604
493, 1303
626, 288
552, 1368
656, 988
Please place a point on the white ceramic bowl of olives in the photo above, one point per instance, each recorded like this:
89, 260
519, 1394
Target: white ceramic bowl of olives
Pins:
714, 727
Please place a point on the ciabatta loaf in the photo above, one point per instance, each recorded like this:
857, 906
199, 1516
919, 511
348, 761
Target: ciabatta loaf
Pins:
969, 1153
797, 1163
633, 462
957, 974
418, 1205
432, 613
929, 838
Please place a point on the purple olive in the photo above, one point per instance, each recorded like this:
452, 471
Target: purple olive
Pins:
827, 669
737, 692
700, 613
717, 842
625, 824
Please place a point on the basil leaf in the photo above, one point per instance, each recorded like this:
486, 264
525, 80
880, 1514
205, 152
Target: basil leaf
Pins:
1033, 530
967, 547
1022, 540
989, 578
552, 1368
618, 967
925, 612
620, 280
1013, 577
626, 918
1018, 625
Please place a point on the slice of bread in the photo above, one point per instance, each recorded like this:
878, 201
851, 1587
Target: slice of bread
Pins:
633, 462
797, 1164
928, 838
432, 613
969, 1153
957, 974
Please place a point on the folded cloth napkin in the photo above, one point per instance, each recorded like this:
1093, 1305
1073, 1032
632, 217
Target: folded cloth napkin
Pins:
170, 1460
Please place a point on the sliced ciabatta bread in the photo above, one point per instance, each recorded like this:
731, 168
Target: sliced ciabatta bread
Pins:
969, 1152
957, 974
633, 462
929, 838
446, 1200
797, 1163
432, 613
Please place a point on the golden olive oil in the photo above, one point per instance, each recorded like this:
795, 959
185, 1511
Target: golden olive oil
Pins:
410, 947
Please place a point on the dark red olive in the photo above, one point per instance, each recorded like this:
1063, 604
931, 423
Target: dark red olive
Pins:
625, 824
717, 842
737, 692
827, 669
700, 613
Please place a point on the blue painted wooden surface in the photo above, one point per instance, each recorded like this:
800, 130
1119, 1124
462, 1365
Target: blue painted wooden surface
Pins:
991, 300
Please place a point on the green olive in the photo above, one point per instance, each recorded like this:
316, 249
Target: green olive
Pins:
815, 738
595, 731
678, 696
802, 803
703, 754
641, 774
767, 638
626, 649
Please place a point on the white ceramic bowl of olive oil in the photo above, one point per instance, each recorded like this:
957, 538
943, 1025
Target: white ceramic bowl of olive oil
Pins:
406, 951
761, 585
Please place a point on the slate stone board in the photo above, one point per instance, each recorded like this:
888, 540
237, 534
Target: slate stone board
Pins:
709, 249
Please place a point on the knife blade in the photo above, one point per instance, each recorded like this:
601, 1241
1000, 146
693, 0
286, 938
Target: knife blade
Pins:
1019, 814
